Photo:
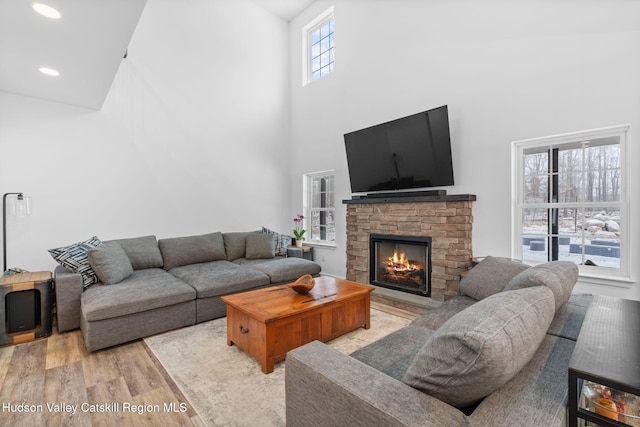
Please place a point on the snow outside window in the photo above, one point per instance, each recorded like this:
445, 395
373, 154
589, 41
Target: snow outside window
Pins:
320, 208
570, 201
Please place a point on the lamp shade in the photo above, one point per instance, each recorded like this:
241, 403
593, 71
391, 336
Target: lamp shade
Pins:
19, 206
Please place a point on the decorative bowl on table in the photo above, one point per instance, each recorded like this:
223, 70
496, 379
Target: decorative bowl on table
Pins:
303, 285
613, 404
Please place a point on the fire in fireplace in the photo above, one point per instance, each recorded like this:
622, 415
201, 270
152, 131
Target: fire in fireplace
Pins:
400, 269
402, 263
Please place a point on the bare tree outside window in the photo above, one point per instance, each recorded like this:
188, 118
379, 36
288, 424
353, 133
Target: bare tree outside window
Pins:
571, 205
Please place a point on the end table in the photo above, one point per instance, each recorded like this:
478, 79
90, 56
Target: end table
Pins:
26, 301
606, 353
303, 251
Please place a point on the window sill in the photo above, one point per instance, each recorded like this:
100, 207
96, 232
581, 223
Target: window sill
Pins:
605, 280
320, 245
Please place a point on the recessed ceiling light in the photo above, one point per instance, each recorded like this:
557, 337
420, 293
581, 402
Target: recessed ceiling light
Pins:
46, 10
49, 71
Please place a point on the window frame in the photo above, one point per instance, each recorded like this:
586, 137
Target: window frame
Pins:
306, 44
591, 274
308, 206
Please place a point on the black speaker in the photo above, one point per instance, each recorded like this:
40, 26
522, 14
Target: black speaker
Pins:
23, 310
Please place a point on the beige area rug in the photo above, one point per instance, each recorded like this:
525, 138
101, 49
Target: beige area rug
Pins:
226, 386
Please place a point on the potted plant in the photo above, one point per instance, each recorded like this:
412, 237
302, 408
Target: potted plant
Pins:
298, 231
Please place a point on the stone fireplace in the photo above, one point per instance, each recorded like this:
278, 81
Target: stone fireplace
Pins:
444, 221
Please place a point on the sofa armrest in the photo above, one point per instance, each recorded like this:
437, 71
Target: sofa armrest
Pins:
69, 289
327, 388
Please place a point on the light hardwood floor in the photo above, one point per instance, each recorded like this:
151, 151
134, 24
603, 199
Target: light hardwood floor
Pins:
58, 370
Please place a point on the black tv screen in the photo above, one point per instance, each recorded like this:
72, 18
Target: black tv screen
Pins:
411, 152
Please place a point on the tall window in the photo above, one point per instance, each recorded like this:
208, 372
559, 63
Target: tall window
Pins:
318, 47
571, 202
320, 207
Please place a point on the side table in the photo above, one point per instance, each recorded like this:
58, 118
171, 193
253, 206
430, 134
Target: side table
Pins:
607, 352
303, 251
25, 304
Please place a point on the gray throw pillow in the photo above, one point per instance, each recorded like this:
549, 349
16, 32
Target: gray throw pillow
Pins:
260, 246
559, 276
490, 276
110, 262
74, 257
179, 251
481, 348
235, 244
143, 252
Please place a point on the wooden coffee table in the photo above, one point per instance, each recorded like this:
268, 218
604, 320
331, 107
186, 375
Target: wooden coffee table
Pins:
267, 323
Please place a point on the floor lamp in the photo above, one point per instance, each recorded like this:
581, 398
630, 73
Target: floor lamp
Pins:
21, 207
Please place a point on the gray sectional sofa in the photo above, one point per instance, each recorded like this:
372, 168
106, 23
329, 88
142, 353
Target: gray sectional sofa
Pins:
147, 286
496, 355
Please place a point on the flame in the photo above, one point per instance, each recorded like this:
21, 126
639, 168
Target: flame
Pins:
399, 262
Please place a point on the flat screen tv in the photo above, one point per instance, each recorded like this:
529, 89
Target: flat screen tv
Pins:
411, 152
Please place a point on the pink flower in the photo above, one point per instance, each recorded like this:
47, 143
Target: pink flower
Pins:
298, 231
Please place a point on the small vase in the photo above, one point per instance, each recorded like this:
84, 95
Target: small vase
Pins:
299, 243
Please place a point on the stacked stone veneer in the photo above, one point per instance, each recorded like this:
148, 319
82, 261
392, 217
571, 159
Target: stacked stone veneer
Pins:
447, 222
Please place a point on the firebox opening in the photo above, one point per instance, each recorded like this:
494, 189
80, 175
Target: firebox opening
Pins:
402, 263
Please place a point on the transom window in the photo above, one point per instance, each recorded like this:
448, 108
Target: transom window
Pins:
320, 207
319, 47
571, 201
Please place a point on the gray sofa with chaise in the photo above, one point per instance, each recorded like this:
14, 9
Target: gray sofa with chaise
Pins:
496, 355
147, 286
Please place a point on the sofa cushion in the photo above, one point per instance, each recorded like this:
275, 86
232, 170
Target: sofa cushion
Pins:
260, 246
434, 319
282, 241
75, 258
537, 396
559, 276
482, 347
144, 290
393, 354
282, 269
567, 322
216, 278
110, 263
235, 245
179, 251
490, 276
143, 252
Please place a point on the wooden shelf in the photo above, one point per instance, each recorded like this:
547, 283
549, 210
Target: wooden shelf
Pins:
411, 199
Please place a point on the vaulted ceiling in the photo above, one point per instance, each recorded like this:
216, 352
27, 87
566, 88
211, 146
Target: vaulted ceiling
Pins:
85, 46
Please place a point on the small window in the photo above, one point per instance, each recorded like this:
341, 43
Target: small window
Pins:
318, 47
571, 201
320, 208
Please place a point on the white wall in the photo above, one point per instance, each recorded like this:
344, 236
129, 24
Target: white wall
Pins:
193, 137
507, 70
207, 126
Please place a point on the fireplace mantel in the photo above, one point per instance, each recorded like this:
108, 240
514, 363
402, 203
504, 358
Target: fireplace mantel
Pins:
411, 199
447, 219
